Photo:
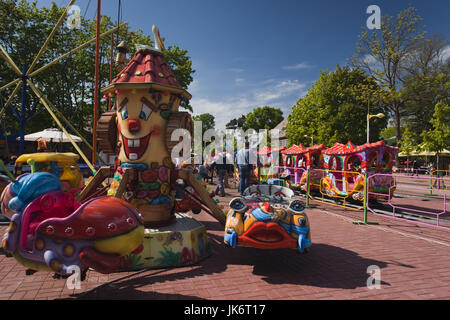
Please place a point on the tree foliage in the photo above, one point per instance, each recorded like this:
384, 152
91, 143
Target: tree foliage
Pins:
263, 118
207, 119
384, 53
409, 141
427, 83
236, 123
335, 109
69, 84
438, 138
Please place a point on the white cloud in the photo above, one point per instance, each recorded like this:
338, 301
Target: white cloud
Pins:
298, 66
281, 95
369, 59
445, 53
236, 70
372, 62
239, 80
193, 87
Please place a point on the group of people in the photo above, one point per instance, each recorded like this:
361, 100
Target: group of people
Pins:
224, 164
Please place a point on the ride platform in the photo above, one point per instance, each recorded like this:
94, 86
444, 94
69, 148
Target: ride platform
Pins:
182, 244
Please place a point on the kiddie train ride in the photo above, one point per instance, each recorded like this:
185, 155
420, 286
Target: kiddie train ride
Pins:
132, 222
338, 172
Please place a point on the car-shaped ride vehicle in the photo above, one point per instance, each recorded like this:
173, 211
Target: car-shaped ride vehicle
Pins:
268, 217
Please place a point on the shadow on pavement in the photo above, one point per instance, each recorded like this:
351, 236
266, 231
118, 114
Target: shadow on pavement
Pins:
324, 266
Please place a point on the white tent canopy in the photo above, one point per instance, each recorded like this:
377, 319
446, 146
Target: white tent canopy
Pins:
416, 153
50, 135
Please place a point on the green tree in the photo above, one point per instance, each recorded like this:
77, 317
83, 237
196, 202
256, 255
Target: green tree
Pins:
236, 123
263, 118
427, 82
335, 110
388, 134
383, 53
438, 139
69, 83
408, 142
207, 119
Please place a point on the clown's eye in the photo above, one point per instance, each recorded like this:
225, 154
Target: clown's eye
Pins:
124, 112
145, 112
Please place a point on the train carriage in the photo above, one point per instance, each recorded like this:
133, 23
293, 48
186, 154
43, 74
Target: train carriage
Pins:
346, 164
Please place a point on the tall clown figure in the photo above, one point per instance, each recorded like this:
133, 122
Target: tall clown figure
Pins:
146, 98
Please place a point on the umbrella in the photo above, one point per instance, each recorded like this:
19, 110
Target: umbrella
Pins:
50, 135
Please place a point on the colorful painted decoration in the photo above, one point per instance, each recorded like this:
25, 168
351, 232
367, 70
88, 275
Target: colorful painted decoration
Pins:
268, 217
143, 148
51, 231
339, 170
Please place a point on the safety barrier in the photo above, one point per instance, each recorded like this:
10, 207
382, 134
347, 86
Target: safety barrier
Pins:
342, 186
295, 174
411, 171
374, 193
410, 193
438, 179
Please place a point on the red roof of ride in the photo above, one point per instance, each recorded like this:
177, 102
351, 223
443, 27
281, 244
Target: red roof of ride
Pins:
339, 148
317, 147
351, 148
294, 149
147, 66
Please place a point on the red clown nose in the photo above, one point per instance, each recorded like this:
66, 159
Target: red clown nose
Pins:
134, 125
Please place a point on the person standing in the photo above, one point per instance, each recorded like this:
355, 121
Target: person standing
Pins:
230, 168
244, 167
221, 166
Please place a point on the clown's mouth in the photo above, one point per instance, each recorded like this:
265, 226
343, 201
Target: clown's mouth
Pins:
135, 148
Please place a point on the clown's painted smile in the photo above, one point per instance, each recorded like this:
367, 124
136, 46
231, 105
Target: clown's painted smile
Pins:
135, 148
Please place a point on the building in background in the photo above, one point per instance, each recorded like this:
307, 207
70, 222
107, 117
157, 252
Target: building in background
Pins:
280, 132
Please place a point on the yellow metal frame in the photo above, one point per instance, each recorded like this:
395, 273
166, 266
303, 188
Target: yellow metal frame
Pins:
48, 157
344, 198
436, 178
31, 73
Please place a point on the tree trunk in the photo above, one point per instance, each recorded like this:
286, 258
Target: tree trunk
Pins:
397, 129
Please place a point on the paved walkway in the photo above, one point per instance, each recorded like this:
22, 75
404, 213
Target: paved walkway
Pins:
414, 262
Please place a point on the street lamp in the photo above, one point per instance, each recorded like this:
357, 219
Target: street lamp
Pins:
370, 116
312, 139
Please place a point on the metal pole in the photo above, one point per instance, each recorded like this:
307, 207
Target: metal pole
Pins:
431, 182
368, 119
111, 62
22, 109
365, 203
84, 45
368, 128
96, 89
49, 38
52, 114
307, 188
13, 94
366, 197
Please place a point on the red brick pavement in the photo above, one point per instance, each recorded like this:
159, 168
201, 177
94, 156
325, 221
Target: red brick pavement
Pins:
414, 262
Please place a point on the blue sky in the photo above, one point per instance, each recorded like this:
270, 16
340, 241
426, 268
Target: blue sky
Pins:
252, 53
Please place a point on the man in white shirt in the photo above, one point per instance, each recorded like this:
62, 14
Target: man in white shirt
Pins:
243, 158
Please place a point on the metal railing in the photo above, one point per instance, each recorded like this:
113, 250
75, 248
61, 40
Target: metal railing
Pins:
419, 198
342, 186
414, 193
295, 174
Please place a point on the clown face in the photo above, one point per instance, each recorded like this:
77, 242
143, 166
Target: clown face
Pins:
141, 122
